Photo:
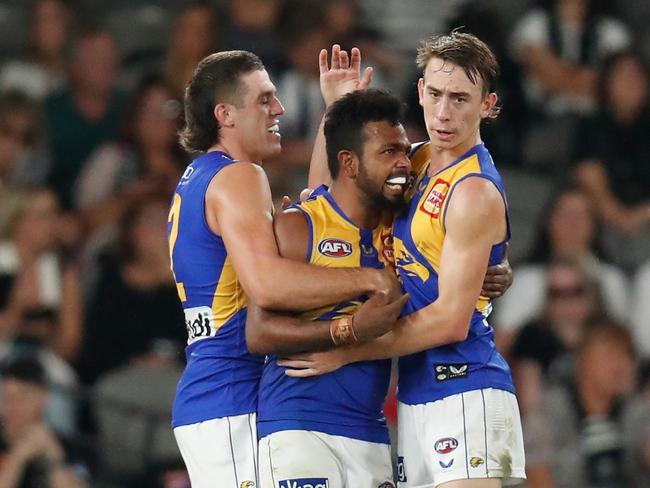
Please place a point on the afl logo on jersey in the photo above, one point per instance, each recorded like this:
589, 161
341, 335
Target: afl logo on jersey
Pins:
436, 197
334, 248
446, 445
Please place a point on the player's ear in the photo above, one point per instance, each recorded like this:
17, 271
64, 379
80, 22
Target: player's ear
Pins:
224, 114
349, 163
487, 107
420, 89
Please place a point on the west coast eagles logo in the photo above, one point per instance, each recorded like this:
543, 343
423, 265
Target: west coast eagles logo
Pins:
436, 197
475, 462
247, 484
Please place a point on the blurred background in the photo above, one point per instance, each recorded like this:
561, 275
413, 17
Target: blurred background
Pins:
91, 330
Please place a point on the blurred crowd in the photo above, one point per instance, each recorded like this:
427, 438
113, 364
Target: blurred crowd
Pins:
91, 330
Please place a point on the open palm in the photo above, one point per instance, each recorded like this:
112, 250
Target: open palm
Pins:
344, 74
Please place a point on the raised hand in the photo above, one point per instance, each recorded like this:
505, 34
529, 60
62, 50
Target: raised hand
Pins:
344, 74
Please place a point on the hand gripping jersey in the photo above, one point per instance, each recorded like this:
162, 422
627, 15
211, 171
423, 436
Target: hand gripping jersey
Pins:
418, 238
347, 402
221, 378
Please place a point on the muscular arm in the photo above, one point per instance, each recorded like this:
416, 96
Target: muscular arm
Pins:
475, 221
239, 208
270, 333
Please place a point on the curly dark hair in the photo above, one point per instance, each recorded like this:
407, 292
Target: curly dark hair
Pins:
346, 118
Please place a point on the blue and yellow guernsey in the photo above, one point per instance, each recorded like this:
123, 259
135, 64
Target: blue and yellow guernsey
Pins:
221, 377
347, 402
418, 238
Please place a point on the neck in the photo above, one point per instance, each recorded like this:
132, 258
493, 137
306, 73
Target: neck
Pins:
350, 200
235, 151
442, 157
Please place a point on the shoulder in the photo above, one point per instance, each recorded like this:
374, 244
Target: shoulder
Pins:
290, 222
236, 178
475, 191
293, 233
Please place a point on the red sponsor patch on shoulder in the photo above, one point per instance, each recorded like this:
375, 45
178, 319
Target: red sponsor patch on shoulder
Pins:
432, 204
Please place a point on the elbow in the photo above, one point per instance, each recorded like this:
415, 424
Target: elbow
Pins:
263, 296
255, 342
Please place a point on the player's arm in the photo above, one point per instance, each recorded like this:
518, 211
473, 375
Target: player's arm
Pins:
240, 209
341, 77
273, 333
475, 221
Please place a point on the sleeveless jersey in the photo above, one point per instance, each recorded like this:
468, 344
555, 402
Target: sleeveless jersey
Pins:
347, 402
221, 378
418, 238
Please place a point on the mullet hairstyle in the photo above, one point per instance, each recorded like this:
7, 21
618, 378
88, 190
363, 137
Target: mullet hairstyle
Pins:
216, 79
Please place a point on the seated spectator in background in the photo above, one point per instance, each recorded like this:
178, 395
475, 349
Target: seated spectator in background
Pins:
193, 37
132, 406
87, 113
580, 440
134, 303
146, 159
568, 230
611, 151
638, 431
31, 454
573, 302
560, 46
34, 274
640, 310
250, 25
43, 70
32, 336
24, 159
304, 35
345, 24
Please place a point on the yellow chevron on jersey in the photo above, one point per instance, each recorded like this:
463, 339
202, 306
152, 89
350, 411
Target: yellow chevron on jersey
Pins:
427, 225
337, 243
229, 297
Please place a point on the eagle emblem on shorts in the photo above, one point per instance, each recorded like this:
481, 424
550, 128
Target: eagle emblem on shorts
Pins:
475, 462
247, 484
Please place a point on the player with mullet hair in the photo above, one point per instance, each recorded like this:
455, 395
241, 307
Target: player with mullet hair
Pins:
224, 256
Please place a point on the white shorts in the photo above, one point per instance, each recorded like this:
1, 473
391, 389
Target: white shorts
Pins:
476, 434
220, 453
308, 459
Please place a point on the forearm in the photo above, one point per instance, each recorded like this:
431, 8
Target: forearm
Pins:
283, 284
318, 170
422, 330
281, 335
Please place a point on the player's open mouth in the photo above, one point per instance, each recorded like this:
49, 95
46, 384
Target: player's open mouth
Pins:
274, 129
396, 183
444, 134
